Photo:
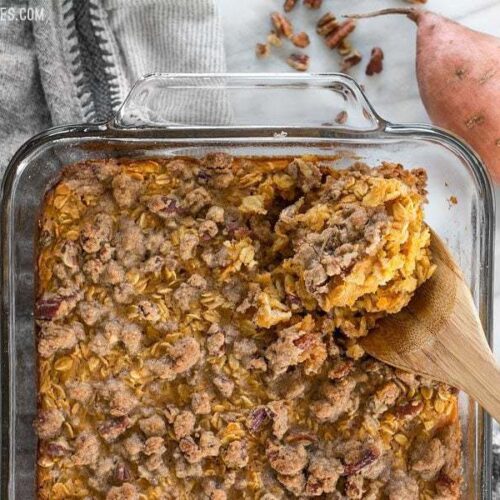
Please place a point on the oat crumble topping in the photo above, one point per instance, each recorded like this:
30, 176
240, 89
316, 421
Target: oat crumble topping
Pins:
197, 329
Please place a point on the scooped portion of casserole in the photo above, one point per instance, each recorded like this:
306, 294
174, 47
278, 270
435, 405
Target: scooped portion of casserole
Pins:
197, 325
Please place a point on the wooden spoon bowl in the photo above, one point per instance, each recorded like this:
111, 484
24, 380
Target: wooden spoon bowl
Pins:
439, 334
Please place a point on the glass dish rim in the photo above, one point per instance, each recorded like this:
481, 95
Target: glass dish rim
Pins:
193, 135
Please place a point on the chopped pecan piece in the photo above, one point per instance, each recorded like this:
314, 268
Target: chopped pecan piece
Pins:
334, 39
313, 4
282, 24
300, 39
289, 5
375, 65
258, 417
344, 47
365, 458
58, 448
163, 206
262, 50
300, 62
47, 309
341, 369
110, 430
326, 24
351, 59
122, 473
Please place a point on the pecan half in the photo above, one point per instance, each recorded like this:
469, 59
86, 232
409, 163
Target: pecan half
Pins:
300, 62
326, 24
334, 39
289, 5
282, 24
300, 39
375, 65
354, 57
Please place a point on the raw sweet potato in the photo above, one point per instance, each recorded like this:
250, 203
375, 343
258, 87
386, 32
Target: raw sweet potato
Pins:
458, 71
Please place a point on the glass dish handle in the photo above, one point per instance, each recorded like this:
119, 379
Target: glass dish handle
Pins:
247, 100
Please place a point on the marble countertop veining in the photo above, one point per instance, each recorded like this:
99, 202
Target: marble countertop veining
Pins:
393, 93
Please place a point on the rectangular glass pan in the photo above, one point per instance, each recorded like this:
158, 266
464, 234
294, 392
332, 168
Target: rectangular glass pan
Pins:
263, 115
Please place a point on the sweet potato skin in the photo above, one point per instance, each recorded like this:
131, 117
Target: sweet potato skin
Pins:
458, 71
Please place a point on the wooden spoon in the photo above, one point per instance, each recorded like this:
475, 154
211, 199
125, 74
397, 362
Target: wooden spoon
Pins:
439, 334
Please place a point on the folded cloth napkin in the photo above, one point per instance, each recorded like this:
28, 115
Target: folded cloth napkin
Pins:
76, 61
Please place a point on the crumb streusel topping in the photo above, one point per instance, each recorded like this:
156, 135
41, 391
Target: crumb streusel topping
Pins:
197, 333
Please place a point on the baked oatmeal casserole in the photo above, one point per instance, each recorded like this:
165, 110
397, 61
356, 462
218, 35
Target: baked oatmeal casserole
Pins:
198, 324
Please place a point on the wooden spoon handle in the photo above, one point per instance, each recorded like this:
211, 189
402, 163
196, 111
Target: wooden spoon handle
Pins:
479, 374
484, 386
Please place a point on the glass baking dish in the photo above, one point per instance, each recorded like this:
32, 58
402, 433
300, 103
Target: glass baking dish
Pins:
169, 115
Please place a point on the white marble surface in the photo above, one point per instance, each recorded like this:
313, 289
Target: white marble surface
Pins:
394, 93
